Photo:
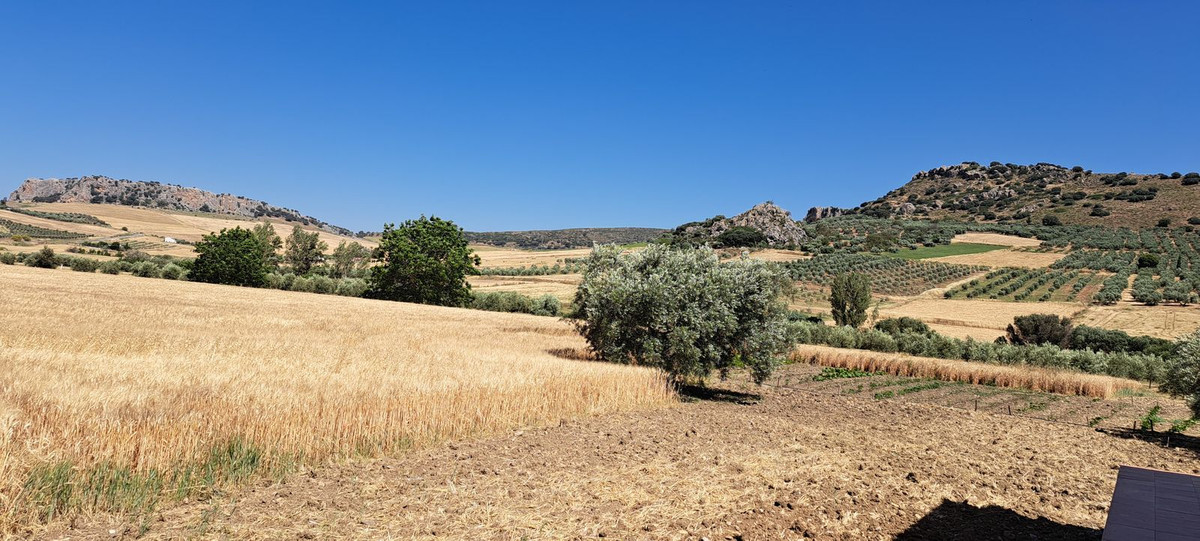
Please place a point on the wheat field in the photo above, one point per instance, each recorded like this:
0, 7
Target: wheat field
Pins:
1021, 377
115, 384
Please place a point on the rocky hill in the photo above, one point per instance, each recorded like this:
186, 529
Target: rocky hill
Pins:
550, 239
774, 224
1009, 192
101, 189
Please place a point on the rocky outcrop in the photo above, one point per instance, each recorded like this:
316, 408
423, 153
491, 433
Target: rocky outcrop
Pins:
101, 189
820, 213
775, 223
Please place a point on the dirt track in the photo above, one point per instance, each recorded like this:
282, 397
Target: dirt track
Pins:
791, 465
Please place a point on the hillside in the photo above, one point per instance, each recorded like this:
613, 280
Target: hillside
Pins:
547, 239
765, 223
1007, 192
100, 189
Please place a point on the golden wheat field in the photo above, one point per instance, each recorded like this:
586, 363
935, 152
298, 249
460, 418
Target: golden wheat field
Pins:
124, 383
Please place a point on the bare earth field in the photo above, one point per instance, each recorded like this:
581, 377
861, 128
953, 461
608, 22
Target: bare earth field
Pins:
803, 460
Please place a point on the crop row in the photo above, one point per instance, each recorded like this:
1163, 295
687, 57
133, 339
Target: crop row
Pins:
888, 275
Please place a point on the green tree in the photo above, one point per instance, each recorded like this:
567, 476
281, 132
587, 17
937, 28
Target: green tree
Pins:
44, 259
851, 296
683, 311
270, 241
233, 256
425, 261
1183, 372
740, 236
1037, 329
304, 249
348, 258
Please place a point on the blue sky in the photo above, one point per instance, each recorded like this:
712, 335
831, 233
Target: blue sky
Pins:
520, 115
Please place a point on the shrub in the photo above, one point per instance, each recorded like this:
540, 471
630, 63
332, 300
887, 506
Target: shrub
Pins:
273, 280
324, 284
171, 271
301, 283
146, 269
1164, 222
741, 236
8, 258
897, 325
43, 259
83, 264
1035, 329
110, 267
547, 305
684, 311
351, 287
1147, 260
1051, 220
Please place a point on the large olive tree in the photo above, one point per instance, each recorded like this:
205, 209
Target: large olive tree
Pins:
684, 311
1183, 372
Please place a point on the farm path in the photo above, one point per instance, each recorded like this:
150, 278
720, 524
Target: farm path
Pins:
788, 464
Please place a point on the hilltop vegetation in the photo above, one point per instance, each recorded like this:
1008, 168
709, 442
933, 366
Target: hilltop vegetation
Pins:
1043, 192
551, 239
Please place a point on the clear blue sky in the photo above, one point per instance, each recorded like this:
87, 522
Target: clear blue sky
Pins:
519, 115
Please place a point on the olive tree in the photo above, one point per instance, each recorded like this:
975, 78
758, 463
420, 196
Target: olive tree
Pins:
1183, 372
682, 310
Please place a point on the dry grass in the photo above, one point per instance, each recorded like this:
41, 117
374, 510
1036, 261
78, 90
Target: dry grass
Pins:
562, 286
1023, 377
982, 314
1159, 321
997, 239
495, 256
144, 377
190, 226
1005, 258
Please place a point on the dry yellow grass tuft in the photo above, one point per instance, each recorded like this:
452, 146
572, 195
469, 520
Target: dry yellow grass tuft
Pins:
144, 377
1024, 377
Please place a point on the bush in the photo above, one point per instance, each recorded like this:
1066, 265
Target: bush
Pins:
684, 311
1147, 260
897, 325
351, 287
43, 259
8, 258
83, 264
1036, 329
171, 271
1164, 222
324, 284
302, 284
146, 269
110, 267
547, 305
1051, 220
738, 237
273, 280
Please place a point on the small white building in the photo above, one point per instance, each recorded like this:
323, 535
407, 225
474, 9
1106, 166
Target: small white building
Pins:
170, 240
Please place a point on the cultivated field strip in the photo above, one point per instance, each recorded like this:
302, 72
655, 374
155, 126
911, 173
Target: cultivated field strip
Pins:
147, 378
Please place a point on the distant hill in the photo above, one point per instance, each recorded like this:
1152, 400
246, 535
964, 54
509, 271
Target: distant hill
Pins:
548, 239
1007, 192
101, 189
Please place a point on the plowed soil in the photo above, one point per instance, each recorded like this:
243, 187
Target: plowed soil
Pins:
796, 459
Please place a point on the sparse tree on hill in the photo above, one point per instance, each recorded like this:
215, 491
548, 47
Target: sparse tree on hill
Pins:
683, 311
304, 249
851, 297
233, 256
348, 258
425, 261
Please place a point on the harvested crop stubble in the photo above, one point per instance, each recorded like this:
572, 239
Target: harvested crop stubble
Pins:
1024, 377
149, 376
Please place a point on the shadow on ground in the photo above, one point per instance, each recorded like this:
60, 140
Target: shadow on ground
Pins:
572, 354
954, 521
1165, 439
710, 394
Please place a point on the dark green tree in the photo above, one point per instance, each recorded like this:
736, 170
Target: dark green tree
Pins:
233, 256
44, 259
851, 297
424, 261
1037, 329
740, 237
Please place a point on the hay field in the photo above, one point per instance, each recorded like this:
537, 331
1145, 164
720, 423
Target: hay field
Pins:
997, 239
165, 223
1162, 321
496, 256
120, 391
562, 286
974, 314
1005, 258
